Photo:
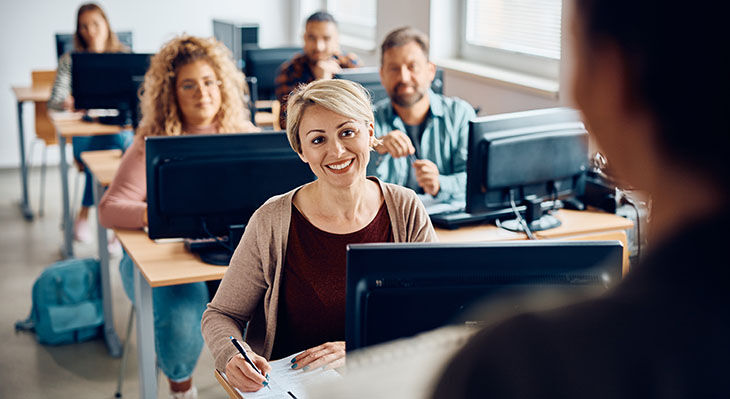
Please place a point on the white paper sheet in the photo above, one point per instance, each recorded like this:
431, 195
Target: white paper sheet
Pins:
283, 379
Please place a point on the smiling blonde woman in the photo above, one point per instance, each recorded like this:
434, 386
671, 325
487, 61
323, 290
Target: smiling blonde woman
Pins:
287, 276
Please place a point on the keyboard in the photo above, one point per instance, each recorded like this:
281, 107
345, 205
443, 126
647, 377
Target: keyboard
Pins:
455, 219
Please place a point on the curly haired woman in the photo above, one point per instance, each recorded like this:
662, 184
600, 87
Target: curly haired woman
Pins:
191, 87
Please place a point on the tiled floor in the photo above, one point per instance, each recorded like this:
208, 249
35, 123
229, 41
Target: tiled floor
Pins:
31, 370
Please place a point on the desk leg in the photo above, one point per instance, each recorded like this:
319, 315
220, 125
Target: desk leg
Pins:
67, 249
145, 336
24, 202
110, 334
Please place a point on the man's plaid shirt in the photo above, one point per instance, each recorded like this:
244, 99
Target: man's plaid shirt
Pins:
297, 71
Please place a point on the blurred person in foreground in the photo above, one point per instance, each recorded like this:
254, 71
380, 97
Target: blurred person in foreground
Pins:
660, 118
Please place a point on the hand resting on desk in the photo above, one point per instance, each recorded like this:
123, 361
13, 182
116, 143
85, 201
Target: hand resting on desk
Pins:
242, 376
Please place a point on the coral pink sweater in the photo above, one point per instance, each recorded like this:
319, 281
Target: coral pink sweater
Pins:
125, 202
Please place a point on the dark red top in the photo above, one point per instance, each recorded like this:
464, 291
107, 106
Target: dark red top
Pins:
312, 294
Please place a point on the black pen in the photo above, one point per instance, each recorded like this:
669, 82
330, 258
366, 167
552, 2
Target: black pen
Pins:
248, 359
291, 394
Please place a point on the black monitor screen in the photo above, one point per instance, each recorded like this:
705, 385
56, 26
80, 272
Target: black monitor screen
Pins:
109, 80
399, 290
65, 42
531, 159
541, 153
369, 78
263, 63
200, 185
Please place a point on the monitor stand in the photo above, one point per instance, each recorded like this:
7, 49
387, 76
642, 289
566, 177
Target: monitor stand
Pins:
534, 217
217, 251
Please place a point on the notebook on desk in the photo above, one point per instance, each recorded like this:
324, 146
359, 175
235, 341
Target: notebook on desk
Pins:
283, 379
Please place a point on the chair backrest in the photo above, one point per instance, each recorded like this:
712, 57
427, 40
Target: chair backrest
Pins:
44, 129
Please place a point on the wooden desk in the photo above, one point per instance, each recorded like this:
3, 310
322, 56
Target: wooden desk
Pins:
28, 93
103, 166
157, 265
232, 394
69, 126
577, 225
169, 264
166, 264
23, 94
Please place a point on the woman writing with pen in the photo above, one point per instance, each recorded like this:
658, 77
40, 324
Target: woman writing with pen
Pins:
286, 280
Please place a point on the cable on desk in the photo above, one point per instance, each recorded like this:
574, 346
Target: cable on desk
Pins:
217, 239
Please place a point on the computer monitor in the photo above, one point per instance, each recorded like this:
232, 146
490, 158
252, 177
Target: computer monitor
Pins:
208, 186
237, 36
109, 81
522, 163
369, 78
65, 42
399, 290
263, 63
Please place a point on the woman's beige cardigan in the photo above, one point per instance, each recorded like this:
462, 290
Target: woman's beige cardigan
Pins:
250, 288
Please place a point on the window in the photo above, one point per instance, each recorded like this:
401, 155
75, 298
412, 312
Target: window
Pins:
356, 20
518, 35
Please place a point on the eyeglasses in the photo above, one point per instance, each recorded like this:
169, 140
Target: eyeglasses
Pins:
208, 85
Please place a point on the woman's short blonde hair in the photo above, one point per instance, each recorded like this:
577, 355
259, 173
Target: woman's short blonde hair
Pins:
161, 115
341, 96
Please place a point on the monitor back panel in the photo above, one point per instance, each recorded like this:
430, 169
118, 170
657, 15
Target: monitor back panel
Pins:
398, 290
264, 63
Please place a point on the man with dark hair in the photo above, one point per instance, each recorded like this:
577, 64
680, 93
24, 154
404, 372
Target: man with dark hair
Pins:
660, 117
321, 59
424, 135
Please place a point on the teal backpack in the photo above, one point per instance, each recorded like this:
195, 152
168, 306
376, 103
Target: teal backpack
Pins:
67, 306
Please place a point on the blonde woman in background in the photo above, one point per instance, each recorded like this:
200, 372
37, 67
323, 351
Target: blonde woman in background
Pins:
191, 87
287, 276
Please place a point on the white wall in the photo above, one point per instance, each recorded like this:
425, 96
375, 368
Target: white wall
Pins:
27, 29
438, 19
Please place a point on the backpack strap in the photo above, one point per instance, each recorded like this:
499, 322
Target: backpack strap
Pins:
27, 324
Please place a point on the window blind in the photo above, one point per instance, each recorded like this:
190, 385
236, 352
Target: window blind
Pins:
520, 26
